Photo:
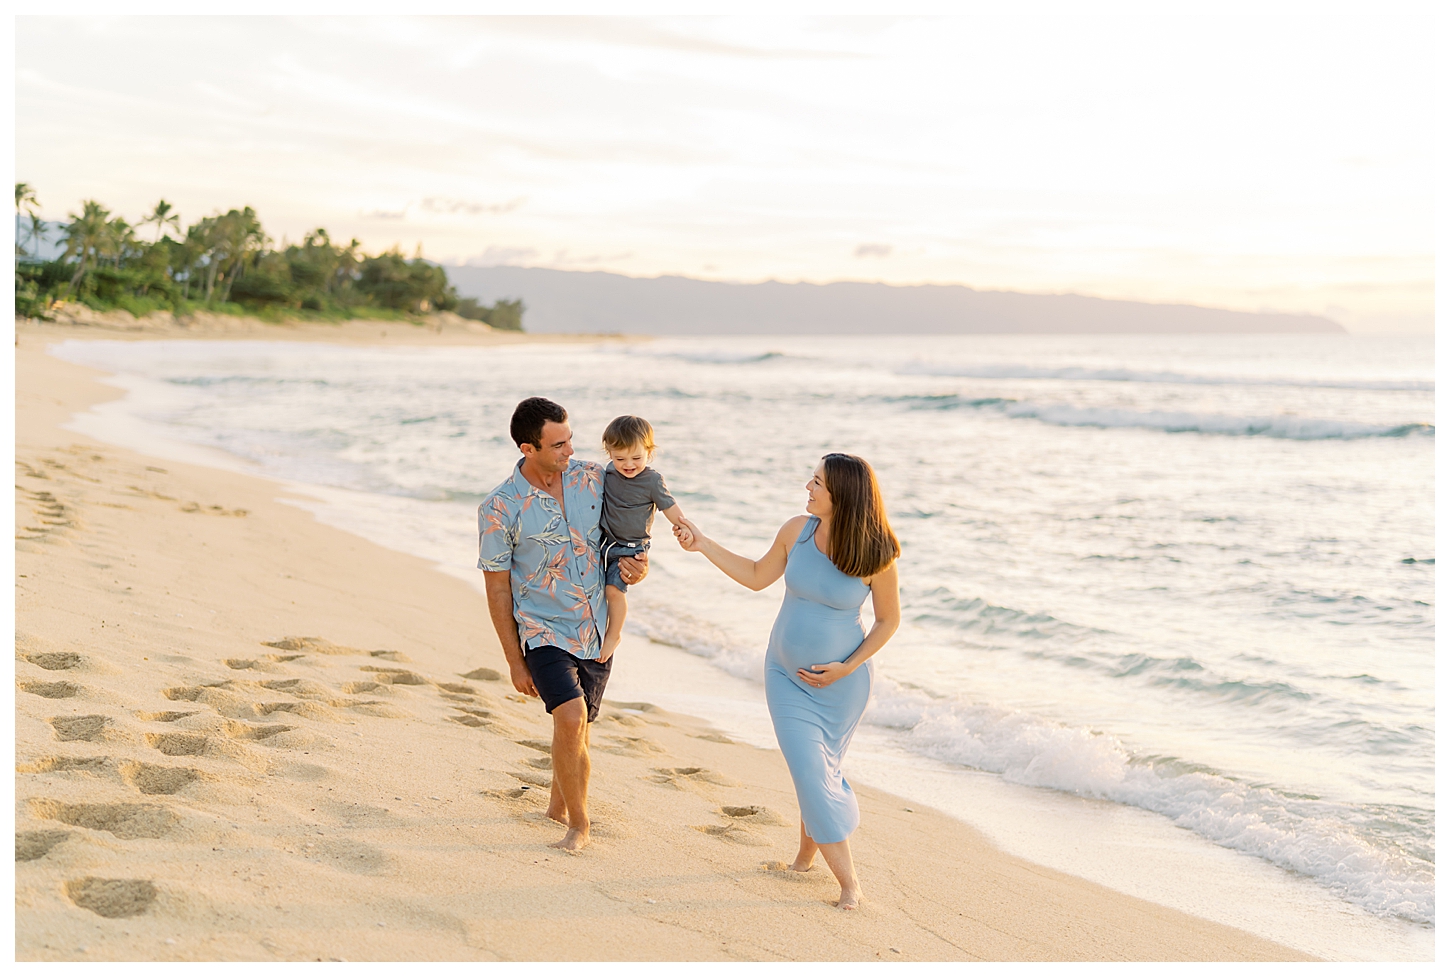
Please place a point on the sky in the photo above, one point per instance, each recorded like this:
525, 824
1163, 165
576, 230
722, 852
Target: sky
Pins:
1277, 163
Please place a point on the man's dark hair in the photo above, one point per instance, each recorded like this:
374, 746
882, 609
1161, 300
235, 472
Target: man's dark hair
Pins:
527, 426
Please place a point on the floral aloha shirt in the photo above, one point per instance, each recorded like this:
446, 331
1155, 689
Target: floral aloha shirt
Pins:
552, 557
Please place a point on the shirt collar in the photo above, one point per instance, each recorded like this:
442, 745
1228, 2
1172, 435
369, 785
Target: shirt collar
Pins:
525, 487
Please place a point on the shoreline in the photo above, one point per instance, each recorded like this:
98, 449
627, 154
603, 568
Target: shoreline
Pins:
438, 329
328, 839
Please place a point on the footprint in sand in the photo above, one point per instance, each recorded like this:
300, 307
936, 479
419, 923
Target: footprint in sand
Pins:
512, 794
753, 814
178, 744
31, 845
151, 779
743, 824
51, 690
85, 728
783, 870
65, 764
395, 676
351, 856
738, 834
54, 661
122, 820
483, 675
690, 778
458, 688
163, 717
482, 719
112, 898
246, 731
190, 693
631, 746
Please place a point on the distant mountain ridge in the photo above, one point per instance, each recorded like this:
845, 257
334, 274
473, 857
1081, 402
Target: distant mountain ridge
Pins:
602, 302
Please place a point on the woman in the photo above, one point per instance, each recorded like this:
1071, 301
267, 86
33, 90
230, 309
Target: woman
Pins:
815, 684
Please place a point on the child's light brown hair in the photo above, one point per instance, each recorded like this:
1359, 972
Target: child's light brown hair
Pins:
626, 431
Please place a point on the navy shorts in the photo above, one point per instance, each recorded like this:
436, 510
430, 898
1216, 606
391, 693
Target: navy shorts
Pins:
559, 677
612, 553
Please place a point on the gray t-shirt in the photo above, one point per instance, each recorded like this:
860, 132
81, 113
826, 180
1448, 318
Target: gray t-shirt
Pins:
630, 503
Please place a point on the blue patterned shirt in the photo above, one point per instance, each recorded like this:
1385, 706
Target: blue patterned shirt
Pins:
552, 557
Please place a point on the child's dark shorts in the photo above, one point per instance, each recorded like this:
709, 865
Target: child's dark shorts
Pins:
559, 677
612, 551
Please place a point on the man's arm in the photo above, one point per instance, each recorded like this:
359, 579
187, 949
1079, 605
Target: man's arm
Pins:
501, 609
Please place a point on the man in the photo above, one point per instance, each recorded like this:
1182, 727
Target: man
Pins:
538, 548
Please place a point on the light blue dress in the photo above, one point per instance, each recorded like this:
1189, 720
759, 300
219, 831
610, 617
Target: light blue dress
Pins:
819, 621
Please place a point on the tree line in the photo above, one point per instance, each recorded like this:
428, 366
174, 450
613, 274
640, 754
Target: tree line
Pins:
223, 263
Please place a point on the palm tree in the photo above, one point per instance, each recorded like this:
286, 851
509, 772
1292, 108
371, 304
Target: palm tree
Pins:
86, 236
120, 239
25, 201
243, 236
161, 215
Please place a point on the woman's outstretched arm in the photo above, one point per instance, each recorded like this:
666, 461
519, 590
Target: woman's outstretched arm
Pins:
755, 574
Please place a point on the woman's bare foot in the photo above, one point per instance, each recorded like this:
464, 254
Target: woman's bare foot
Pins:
802, 866
850, 899
573, 840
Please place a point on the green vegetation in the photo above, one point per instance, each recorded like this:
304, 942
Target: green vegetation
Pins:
503, 314
225, 263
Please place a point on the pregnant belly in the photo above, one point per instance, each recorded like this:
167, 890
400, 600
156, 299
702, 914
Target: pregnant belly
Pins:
807, 633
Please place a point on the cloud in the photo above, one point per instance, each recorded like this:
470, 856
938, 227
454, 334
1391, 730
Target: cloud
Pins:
501, 256
384, 215
445, 205
872, 250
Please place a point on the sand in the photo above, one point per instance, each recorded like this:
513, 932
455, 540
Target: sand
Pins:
242, 735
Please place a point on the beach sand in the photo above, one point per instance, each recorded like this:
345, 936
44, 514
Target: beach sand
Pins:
242, 735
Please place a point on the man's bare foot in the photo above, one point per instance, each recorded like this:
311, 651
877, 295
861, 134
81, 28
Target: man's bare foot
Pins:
573, 840
850, 900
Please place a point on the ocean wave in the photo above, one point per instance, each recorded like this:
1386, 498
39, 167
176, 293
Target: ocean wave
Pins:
1313, 838
720, 358
1008, 371
973, 615
1288, 426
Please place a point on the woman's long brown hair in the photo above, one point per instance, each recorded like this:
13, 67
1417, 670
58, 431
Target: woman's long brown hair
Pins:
862, 543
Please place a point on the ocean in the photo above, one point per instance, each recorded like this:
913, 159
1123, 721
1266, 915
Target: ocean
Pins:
1168, 601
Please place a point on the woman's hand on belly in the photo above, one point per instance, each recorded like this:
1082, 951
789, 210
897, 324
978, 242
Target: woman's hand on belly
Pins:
820, 676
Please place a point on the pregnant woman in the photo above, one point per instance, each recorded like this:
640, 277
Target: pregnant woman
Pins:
817, 668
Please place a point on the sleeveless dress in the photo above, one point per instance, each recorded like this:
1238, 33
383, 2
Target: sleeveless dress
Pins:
819, 621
